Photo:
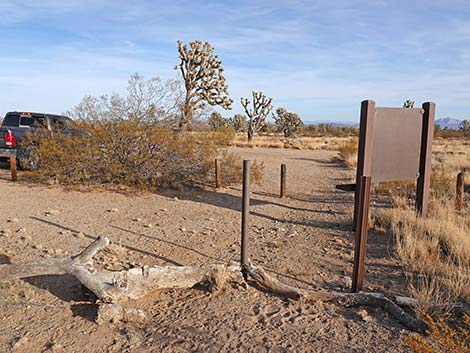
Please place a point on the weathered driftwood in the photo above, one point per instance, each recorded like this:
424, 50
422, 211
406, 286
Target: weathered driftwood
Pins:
112, 287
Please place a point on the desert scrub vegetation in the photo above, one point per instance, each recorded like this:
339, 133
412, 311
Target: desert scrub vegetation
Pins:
125, 152
433, 249
347, 153
442, 337
232, 169
276, 140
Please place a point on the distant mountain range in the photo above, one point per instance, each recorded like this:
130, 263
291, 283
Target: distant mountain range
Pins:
449, 123
443, 123
331, 122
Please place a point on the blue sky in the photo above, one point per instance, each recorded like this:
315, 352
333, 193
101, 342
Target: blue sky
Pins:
317, 58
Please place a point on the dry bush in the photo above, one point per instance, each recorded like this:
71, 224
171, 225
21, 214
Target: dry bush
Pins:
442, 337
126, 152
330, 130
223, 135
348, 153
232, 169
433, 248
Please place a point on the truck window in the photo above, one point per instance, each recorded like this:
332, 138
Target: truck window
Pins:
11, 120
35, 121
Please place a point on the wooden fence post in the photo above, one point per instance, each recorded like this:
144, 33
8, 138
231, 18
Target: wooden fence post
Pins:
245, 216
283, 180
14, 174
218, 174
459, 192
361, 234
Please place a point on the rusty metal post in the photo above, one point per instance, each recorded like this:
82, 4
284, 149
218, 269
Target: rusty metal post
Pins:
424, 179
218, 173
364, 153
360, 245
245, 215
14, 174
283, 180
459, 192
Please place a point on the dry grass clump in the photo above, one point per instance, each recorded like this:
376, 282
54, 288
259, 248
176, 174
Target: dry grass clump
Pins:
435, 251
232, 169
126, 152
442, 337
348, 153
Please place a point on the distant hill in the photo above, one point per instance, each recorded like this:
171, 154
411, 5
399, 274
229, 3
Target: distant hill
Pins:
333, 123
449, 123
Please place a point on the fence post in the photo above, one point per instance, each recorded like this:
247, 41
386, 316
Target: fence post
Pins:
14, 174
245, 216
459, 192
361, 234
218, 174
283, 180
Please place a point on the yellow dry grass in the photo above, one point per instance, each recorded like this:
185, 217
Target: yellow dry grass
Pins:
301, 143
434, 249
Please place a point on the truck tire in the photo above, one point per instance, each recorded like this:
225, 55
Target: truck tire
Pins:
28, 158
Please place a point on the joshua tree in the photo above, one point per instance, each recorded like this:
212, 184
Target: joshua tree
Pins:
465, 127
261, 106
287, 122
216, 120
203, 78
408, 104
238, 122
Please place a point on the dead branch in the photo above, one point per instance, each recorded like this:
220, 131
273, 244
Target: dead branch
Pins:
54, 266
271, 284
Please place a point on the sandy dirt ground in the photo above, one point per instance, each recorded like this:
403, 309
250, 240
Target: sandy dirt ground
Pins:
304, 240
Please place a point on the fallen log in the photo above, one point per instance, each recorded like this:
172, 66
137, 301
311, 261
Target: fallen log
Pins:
113, 287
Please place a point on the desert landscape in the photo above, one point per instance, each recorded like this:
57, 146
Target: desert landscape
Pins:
304, 240
194, 176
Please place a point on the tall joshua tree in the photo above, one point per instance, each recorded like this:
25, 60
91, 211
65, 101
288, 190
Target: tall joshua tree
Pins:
257, 113
203, 78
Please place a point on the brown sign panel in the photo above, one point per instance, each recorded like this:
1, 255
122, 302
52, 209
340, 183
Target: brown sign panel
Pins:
397, 144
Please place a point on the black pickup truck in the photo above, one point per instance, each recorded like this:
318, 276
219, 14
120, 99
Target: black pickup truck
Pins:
16, 124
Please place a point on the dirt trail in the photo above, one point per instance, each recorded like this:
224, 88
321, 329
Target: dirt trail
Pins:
304, 240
